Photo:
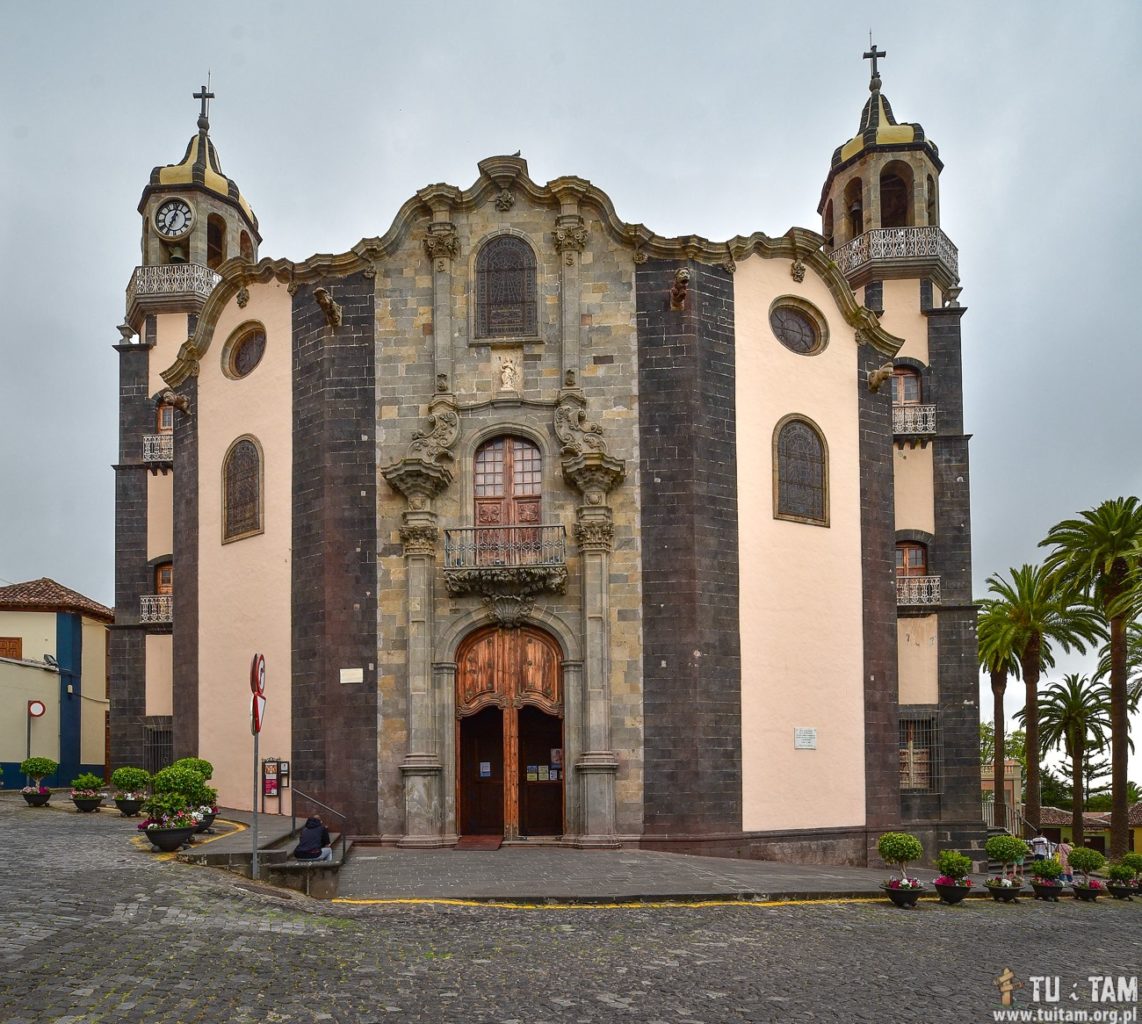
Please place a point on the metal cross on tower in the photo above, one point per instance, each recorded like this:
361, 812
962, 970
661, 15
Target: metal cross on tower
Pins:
871, 54
206, 96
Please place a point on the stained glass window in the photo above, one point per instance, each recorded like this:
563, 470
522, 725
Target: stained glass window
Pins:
242, 478
505, 289
247, 351
800, 477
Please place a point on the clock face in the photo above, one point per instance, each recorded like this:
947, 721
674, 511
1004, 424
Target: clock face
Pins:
173, 218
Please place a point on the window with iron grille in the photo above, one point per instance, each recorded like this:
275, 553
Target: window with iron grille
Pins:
242, 490
921, 755
800, 476
505, 289
158, 749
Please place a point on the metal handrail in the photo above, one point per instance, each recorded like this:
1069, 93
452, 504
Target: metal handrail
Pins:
325, 807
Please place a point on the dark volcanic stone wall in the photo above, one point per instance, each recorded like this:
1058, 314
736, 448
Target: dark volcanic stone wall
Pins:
334, 605
185, 641
691, 652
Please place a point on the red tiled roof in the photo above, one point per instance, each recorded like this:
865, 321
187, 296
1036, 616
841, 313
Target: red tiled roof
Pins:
1057, 816
44, 595
1135, 815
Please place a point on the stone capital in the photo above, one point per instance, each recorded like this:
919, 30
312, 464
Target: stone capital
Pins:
595, 529
442, 242
569, 235
594, 473
418, 479
419, 533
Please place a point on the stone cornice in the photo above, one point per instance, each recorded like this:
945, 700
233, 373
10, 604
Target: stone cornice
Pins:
500, 172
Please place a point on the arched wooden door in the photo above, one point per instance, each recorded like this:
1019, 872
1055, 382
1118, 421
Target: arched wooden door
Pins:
509, 740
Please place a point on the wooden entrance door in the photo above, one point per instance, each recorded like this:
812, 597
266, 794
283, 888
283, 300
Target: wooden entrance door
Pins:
510, 678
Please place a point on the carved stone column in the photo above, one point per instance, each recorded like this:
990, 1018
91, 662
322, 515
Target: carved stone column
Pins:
570, 237
420, 476
587, 467
442, 246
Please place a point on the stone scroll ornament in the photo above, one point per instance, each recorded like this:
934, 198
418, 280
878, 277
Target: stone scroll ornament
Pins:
436, 442
426, 471
576, 433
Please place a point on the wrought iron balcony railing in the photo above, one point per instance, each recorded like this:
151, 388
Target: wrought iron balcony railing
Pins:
917, 591
169, 286
156, 608
518, 559
158, 447
913, 419
920, 245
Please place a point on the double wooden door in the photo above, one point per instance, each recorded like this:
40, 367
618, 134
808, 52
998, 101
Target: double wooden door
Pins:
510, 734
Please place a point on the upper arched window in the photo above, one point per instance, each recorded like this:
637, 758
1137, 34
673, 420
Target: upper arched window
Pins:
906, 386
242, 490
801, 473
215, 241
896, 195
911, 558
854, 207
505, 289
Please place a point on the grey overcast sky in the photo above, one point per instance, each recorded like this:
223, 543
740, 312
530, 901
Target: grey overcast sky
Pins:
716, 119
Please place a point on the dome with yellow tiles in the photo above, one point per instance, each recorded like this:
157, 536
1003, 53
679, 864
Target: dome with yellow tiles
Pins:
199, 168
879, 128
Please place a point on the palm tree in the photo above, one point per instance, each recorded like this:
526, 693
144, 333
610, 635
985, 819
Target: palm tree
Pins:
999, 660
1100, 555
1075, 714
1036, 616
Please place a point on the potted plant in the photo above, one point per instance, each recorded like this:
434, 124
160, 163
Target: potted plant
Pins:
953, 884
188, 776
1121, 876
1086, 860
37, 794
169, 823
1134, 862
86, 793
1047, 879
131, 789
1008, 850
899, 848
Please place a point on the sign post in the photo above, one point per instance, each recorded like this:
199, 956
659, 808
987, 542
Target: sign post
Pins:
36, 708
257, 713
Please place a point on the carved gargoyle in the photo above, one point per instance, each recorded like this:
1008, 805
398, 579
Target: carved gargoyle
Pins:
879, 376
169, 397
679, 291
330, 308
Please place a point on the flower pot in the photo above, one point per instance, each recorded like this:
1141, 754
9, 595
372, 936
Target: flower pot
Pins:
1121, 892
87, 804
37, 799
1004, 893
952, 894
128, 808
1048, 891
169, 839
903, 897
1086, 893
204, 825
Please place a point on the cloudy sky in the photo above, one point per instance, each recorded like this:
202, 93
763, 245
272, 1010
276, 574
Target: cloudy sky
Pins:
715, 118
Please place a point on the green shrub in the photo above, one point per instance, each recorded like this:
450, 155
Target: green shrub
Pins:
1134, 862
1006, 849
86, 780
1086, 860
203, 767
899, 848
131, 780
165, 805
186, 781
953, 864
1048, 870
37, 767
1120, 873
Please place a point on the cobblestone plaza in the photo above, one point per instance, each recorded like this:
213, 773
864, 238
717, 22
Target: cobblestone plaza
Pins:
96, 928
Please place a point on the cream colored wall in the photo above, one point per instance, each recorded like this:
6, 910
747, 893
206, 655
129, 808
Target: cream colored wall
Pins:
903, 318
36, 629
93, 711
914, 494
160, 515
802, 639
160, 662
245, 585
917, 653
18, 685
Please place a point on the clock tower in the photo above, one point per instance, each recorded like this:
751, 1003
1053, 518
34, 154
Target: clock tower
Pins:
194, 220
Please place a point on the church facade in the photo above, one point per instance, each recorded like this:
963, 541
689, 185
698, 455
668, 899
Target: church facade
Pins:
554, 529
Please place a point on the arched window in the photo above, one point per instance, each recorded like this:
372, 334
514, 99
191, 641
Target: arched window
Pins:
508, 486
164, 578
242, 490
896, 196
827, 225
933, 211
215, 240
246, 247
906, 386
505, 289
911, 558
800, 479
854, 207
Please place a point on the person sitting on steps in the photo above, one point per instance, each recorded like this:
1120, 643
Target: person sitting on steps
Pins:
315, 843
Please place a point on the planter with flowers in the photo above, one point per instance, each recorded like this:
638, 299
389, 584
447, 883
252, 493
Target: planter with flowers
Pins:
1121, 878
85, 792
953, 885
130, 789
899, 848
200, 796
1085, 860
1008, 850
36, 768
169, 823
1047, 879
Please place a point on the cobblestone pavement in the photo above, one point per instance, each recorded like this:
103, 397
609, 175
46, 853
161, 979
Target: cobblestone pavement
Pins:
93, 928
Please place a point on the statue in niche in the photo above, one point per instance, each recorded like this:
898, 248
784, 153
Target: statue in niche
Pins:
509, 373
